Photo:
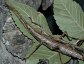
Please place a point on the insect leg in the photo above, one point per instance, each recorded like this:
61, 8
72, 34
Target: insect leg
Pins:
37, 47
34, 22
80, 42
65, 34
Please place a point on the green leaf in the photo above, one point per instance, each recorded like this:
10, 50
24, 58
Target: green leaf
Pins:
26, 12
44, 53
70, 17
38, 18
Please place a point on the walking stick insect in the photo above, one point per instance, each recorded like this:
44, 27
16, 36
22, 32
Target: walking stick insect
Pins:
47, 40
